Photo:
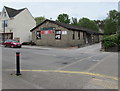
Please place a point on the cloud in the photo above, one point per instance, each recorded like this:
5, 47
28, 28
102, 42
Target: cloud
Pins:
91, 10
59, 0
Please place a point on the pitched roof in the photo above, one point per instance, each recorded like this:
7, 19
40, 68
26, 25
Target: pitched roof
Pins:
68, 26
13, 12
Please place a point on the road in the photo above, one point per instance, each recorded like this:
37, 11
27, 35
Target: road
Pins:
60, 68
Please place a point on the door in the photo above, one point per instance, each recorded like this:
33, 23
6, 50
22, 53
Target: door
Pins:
6, 36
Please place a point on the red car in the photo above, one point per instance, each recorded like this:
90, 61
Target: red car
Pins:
12, 43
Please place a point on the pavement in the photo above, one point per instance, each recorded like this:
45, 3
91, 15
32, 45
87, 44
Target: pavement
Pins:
69, 48
0, 68
61, 68
35, 47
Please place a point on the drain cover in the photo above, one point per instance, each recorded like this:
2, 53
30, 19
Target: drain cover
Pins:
65, 63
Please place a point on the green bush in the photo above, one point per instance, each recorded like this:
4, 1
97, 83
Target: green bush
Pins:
111, 40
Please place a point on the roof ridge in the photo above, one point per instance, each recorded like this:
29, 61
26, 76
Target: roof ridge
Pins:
76, 26
14, 9
21, 9
68, 26
9, 8
13, 12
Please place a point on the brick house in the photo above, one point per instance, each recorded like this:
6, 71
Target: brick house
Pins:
53, 33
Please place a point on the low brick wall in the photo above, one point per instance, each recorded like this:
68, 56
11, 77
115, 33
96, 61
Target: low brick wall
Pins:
111, 49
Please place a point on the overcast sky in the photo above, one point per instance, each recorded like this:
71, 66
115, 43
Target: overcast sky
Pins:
92, 9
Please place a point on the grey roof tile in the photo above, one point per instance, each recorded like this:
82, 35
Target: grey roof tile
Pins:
13, 12
68, 26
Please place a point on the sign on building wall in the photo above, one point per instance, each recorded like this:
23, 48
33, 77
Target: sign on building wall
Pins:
64, 32
47, 30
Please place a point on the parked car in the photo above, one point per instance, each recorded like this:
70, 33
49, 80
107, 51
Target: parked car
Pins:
12, 43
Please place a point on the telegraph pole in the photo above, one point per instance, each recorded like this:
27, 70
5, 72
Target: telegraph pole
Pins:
3, 30
4, 26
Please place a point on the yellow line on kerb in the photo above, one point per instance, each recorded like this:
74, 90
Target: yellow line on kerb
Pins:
77, 72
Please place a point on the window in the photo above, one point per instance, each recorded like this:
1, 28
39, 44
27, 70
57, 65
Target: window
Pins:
84, 35
5, 14
38, 35
79, 35
4, 23
58, 34
73, 35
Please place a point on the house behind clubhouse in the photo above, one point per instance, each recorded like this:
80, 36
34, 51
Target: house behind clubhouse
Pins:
16, 24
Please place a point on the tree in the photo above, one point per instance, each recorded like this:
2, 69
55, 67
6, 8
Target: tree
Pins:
74, 21
113, 15
110, 26
118, 23
39, 19
63, 18
112, 22
100, 24
118, 18
85, 22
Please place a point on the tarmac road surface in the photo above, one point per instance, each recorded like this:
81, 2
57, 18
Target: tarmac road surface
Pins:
60, 68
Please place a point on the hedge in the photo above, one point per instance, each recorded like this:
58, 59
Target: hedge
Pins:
111, 40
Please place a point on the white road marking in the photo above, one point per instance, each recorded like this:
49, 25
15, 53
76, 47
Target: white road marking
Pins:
74, 63
77, 62
98, 63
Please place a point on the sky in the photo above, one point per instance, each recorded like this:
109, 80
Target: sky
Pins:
92, 9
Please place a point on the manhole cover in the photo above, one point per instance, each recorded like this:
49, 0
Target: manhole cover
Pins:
65, 63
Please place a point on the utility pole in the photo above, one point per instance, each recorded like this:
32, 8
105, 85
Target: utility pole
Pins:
4, 26
3, 30
119, 6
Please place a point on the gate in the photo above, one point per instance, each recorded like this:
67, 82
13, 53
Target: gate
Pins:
5, 36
